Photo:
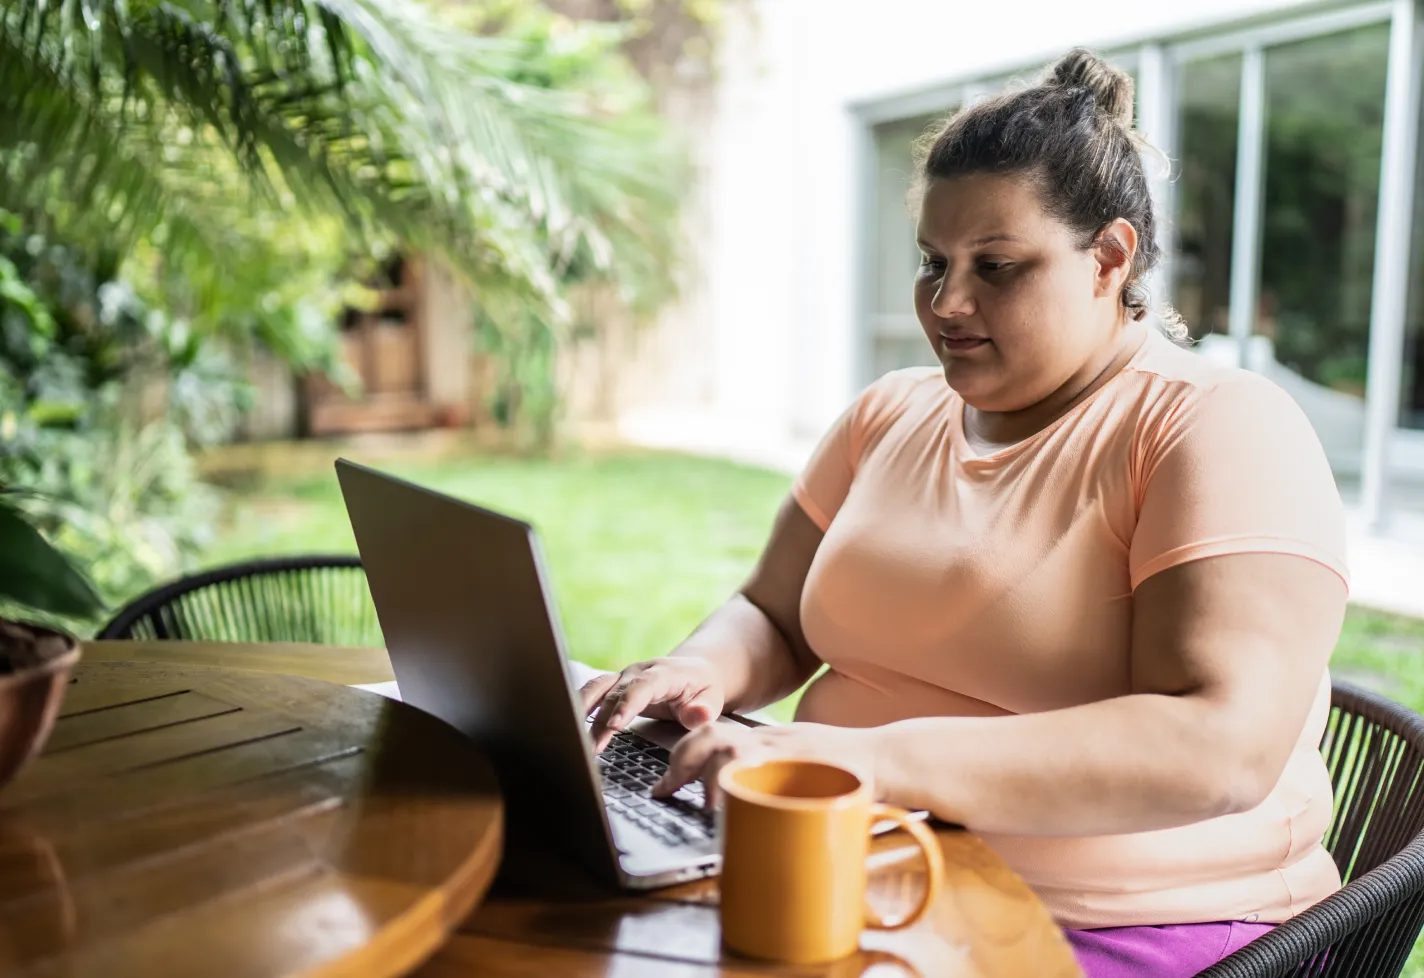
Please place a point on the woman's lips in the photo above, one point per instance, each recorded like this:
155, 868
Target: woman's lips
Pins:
959, 344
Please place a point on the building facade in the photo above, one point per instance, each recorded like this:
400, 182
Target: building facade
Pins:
1285, 172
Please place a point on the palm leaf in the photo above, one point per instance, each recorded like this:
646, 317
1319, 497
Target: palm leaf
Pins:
369, 106
35, 575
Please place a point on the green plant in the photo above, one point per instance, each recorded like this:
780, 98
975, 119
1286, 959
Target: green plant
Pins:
196, 139
35, 575
100, 397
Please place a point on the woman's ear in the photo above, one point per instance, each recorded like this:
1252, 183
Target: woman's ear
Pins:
1113, 250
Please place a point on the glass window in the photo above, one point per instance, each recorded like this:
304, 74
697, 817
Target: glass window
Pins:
1324, 127
1411, 411
895, 337
1210, 109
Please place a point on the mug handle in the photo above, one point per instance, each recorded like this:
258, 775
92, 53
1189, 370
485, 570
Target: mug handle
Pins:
934, 866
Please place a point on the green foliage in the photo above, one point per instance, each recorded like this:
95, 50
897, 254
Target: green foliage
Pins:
124, 501
198, 134
526, 397
1323, 140
635, 257
34, 575
227, 166
107, 478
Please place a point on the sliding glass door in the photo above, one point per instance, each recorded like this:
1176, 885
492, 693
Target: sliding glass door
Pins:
1278, 148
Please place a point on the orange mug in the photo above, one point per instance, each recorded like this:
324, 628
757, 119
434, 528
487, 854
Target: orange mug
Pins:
795, 838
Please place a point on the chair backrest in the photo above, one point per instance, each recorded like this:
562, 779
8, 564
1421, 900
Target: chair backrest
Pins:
1374, 750
321, 599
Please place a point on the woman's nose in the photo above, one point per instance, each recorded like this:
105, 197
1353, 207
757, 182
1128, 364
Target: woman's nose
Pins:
953, 299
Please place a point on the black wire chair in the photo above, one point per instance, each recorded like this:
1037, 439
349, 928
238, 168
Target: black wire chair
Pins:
321, 599
1374, 749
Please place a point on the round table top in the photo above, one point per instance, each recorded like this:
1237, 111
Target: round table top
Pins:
547, 917
189, 820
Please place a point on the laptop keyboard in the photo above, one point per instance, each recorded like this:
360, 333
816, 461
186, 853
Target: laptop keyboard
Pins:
631, 765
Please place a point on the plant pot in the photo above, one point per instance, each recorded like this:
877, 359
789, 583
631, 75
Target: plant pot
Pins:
35, 664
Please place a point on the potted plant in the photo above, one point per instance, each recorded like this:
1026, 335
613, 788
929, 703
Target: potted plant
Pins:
35, 661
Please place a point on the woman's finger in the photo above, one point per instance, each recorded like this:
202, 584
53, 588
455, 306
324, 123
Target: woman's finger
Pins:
593, 691
623, 703
691, 758
701, 708
711, 785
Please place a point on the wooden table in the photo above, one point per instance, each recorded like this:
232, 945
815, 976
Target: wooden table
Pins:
203, 821
545, 917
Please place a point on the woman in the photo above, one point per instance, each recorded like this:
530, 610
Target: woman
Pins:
1077, 591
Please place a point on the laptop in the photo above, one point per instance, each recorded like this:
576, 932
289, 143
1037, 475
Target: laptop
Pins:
463, 598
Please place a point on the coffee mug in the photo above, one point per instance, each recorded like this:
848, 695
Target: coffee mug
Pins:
796, 837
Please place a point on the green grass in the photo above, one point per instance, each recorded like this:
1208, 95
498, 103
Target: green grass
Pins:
642, 546
1384, 652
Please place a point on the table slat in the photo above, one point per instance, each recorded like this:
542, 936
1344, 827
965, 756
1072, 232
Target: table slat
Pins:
77, 769
94, 726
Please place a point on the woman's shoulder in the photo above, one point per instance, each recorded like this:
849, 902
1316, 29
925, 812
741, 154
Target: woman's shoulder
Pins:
912, 391
1179, 378
1204, 397
904, 401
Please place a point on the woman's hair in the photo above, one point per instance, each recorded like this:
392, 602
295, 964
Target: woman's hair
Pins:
1073, 134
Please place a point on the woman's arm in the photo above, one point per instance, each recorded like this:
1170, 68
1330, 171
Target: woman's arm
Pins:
1228, 654
755, 639
748, 653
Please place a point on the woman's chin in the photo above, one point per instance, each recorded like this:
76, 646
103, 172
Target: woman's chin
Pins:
986, 394
970, 381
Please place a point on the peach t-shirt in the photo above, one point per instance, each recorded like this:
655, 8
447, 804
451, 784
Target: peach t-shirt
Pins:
955, 585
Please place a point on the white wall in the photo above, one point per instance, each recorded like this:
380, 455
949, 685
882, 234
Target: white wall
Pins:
781, 260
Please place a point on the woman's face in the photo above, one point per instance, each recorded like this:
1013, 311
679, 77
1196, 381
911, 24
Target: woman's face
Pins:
1012, 305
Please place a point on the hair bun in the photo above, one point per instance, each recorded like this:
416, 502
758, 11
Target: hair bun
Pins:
1111, 87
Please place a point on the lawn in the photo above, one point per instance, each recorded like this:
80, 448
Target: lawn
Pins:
1384, 652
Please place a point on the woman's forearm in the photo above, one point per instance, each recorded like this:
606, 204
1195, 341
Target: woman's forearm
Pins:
752, 656
1129, 764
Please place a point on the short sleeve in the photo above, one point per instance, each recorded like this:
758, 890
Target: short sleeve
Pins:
1236, 468
825, 481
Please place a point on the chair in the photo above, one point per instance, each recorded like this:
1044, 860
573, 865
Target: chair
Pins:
1374, 749
321, 599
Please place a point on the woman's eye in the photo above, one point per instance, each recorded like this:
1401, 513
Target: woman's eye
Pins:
927, 262
990, 267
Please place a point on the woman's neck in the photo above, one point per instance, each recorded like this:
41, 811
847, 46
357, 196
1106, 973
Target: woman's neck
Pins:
990, 431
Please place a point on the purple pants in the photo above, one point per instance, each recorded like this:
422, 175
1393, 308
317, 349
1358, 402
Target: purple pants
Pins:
1171, 951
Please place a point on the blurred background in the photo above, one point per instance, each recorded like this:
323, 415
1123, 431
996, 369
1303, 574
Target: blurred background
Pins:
615, 265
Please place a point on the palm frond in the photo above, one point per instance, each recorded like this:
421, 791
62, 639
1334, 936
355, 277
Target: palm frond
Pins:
370, 105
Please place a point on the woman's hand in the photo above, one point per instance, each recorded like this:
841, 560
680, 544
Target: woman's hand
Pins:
687, 689
748, 653
701, 754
